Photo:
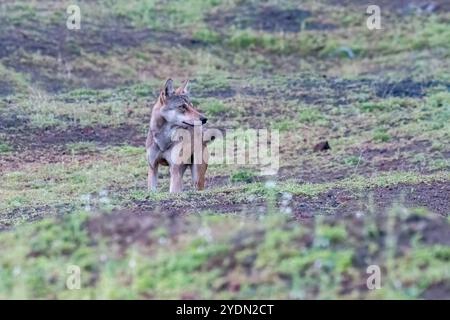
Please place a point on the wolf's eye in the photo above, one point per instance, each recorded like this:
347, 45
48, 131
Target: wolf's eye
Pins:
182, 108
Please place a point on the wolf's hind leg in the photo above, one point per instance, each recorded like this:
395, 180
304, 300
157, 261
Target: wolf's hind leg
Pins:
152, 181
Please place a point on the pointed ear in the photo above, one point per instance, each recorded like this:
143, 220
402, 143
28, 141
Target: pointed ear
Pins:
167, 91
168, 88
184, 88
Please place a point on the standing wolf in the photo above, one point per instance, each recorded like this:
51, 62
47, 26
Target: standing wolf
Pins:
174, 116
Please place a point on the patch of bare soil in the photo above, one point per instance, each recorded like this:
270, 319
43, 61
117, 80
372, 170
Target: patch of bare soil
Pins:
403, 88
267, 18
218, 93
50, 146
369, 159
438, 291
396, 157
26, 139
6, 88
338, 202
432, 231
433, 196
126, 227
29, 214
58, 46
317, 90
56, 40
9, 121
313, 90
399, 6
195, 204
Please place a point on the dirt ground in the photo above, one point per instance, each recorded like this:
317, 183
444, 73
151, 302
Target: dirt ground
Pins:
75, 108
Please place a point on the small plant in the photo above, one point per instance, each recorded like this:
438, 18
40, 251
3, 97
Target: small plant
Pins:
373, 106
381, 135
439, 99
310, 116
82, 147
214, 107
207, 35
45, 121
284, 125
4, 148
352, 160
332, 233
242, 176
247, 39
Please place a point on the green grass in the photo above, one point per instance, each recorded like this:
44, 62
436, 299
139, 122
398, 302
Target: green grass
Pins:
310, 115
380, 135
173, 15
303, 43
312, 85
352, 161
4, 148
213, 107
242, 176
208, 264
284, 125
207, 35
82, 147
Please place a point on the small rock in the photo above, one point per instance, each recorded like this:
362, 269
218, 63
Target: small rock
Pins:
322, 146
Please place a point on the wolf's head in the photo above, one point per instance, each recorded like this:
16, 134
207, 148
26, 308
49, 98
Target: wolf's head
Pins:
177, 108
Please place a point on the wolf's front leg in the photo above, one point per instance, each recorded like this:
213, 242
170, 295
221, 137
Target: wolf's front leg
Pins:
176, 178
152, 180
198, 175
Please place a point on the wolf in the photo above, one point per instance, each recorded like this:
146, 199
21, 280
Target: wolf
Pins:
173, 113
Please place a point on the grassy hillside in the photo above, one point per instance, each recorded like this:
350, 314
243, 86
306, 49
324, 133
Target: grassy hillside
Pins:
74, 113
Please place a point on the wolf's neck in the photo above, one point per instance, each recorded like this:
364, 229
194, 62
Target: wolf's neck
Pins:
163, 136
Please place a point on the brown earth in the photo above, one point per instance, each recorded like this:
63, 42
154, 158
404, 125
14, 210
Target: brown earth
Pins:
267, 18
399, 6
50, 145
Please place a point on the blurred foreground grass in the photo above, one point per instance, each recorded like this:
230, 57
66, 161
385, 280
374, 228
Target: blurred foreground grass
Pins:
125, 256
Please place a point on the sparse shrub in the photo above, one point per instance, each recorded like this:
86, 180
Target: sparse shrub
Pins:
82, 147
4, 148
247, 39
440, 164
439, 100
213, 107
143, 90
242, 176
352, 160
284, 125
381, 135
333, 234
310, 115
419, 158
206, 35
388, 104
373, 106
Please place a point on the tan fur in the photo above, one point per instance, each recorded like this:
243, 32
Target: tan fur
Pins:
161, 150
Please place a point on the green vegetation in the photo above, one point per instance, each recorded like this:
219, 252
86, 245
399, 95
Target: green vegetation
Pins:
5, 148
74, 115
213, 107
81, 147
284, 125
242, 176
210, 262
310, 116
380, 135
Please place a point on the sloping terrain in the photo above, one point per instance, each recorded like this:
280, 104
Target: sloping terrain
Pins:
74, 111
